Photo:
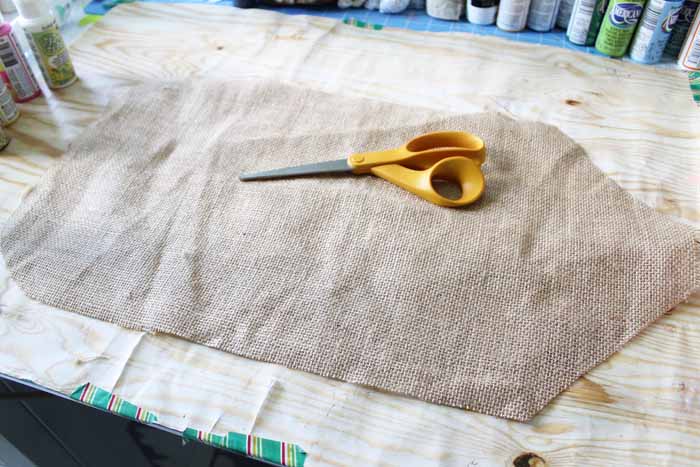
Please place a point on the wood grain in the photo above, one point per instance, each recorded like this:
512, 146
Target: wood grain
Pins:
639, 124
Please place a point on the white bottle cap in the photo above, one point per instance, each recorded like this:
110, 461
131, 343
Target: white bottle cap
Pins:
31, 9
478, 15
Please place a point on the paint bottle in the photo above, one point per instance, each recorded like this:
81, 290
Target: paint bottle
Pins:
512, 15
543, 15
618, 27
5, 78
482, 11
564, 14
596, 21
4, 139
8, 110
450, 10
23, 85
689, 57
44, 37
680, 30
580, 22
654, 30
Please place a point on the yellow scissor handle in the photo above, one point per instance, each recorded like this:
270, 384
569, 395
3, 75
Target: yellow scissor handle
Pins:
423, 151
453, 156
460, 170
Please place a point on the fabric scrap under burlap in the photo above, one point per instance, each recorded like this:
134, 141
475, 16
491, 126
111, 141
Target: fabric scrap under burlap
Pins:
496, 307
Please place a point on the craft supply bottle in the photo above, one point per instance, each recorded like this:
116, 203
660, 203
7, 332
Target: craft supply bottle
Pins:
580, 22
654, 30
482, 11
543, 15
8, 110
23, 85
4, 139
689, 57
5, 78
44, 37
680, 30
596, 21
564, 14
618, 27
512, 15
450, 10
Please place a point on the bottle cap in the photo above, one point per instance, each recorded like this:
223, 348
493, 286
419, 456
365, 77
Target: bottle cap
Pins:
31, 9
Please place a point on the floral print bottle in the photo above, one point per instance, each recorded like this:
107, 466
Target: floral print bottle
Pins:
46, 42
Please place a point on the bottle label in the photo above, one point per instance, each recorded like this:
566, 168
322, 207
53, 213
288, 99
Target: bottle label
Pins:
52, 55
8, 109
625, 15
543, 14
23, 84
564, 15
690, 56
580, 21
512, 14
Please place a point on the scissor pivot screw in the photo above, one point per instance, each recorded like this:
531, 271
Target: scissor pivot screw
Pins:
357, 159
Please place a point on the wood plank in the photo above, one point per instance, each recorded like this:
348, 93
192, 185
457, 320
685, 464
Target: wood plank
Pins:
639, 124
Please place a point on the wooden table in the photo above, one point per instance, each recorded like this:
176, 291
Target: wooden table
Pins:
639, 124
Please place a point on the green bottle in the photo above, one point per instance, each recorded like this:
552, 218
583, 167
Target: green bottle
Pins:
598, 15
618, 26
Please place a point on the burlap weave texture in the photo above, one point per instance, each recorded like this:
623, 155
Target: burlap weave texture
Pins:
496, 307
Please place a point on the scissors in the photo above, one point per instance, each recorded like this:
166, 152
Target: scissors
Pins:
454, 157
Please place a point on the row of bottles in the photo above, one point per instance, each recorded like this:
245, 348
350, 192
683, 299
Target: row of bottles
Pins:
41, 30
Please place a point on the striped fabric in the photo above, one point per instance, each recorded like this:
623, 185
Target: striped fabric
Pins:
363, 24
96, 397
694, 77
278, 452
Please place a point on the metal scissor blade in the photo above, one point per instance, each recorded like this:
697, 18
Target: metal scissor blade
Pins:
330, 167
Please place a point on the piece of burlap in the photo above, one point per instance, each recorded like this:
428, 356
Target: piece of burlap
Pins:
496, 307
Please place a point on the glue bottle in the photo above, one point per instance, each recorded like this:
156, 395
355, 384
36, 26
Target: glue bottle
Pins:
45, 39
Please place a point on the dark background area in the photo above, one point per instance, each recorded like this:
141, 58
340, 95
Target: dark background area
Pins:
43, 430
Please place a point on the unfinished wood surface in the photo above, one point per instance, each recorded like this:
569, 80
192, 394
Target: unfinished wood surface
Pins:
639, 124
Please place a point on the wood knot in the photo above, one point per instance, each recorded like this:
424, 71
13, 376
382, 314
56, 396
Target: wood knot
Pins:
529, 459
572, 102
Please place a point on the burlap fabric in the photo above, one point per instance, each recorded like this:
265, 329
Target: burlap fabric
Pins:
496, 307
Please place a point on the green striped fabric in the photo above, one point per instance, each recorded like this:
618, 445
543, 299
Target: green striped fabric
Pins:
694, 77
92, 395
278, 452
363, 24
